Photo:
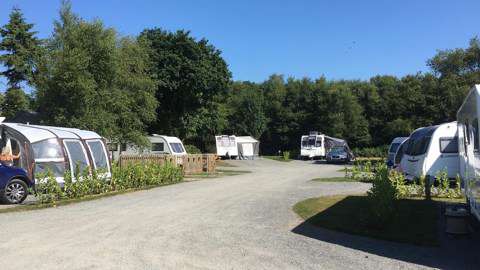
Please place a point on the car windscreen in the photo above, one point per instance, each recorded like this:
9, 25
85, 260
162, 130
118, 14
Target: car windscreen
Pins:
393, 147
177, 147
337, 151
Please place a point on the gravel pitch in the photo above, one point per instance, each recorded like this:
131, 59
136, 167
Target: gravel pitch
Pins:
235, 222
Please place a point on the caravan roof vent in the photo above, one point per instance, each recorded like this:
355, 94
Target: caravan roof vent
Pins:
314, 132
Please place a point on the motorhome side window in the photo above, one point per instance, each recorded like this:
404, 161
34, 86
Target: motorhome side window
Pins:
318, 143
476, 144
449, 145
157, 147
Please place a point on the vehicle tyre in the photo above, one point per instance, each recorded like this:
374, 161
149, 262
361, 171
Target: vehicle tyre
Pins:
15, 192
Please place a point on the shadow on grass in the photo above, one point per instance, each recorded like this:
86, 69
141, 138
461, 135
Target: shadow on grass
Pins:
342, 221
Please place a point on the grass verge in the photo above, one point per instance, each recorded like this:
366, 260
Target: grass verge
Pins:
278, 158
333, 179
415, 221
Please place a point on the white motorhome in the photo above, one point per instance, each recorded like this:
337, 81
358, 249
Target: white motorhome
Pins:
431, 150
469, 148
159, 144
316, 145
226, 146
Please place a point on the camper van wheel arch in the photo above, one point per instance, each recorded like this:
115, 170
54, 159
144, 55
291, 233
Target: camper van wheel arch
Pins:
15, 191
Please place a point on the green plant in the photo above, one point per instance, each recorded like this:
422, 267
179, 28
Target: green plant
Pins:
192, 149
398, 181
286, 155
382, 198
48, 190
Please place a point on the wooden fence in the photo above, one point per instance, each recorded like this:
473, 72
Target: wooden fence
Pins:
191, 163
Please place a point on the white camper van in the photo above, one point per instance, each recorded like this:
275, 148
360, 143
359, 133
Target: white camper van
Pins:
317, 145
226, 146
469, 148
431, 150
159, 144
392, 150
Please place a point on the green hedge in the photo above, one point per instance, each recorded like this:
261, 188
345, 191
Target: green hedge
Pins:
379, 151
140, 175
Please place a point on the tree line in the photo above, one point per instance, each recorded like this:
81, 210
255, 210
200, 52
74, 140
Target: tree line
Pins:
86, 75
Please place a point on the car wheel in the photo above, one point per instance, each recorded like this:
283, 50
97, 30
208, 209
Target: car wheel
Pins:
15, 191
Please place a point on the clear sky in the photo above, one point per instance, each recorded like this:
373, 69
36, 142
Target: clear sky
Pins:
339, 39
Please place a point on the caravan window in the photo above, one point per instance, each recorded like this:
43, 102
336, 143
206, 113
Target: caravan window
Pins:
400, 152
158, 147
99, 155
177, 147
76, 155
449, 145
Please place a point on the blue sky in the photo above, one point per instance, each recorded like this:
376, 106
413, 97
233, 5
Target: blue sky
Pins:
339, 39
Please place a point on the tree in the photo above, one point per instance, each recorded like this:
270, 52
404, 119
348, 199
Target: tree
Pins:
191, 74
93, 81
21, 48
14, 101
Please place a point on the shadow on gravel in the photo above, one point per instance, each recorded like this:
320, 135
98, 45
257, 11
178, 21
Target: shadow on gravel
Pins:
454, 252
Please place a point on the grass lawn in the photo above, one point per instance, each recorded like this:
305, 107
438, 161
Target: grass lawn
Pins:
334, 179
415, 221
278, 158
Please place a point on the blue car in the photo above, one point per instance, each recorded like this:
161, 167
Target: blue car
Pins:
14, 184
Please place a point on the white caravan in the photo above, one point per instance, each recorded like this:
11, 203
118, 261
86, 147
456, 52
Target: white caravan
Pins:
159, 144
431, 150
226, 146
392, 150
469, 148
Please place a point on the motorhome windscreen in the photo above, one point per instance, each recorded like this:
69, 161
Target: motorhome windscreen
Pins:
393, 147
311, 141
305, 142
177, 147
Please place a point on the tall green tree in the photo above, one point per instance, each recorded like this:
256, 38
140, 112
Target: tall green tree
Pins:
20, 51
20, 47
92, 80
191, 74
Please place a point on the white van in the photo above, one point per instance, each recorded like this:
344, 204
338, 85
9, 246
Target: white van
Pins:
469, 148
312, 145
392, 150
431, 150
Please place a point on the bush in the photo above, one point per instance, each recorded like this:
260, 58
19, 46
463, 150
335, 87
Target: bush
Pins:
379, 151
192, 149
139, 175
286, 155
382, 198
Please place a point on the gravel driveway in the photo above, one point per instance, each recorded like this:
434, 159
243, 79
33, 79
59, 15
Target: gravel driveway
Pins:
235, 222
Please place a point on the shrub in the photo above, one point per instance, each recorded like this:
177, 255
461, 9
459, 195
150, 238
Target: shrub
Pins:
131, 176
379, 151
381, 197
286, 155
192, 149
